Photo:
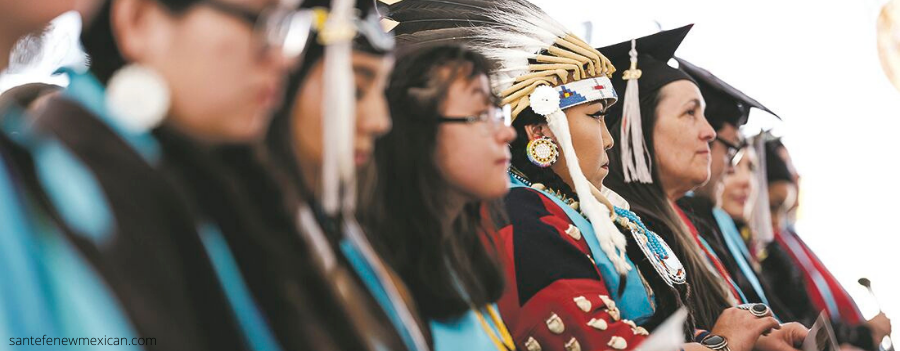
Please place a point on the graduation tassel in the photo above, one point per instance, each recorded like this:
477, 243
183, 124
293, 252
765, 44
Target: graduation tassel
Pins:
635, 158
339, 112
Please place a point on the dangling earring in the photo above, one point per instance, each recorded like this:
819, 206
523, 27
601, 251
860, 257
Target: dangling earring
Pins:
138, 97
542, 152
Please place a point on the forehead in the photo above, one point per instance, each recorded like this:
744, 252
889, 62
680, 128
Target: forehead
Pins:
680, 92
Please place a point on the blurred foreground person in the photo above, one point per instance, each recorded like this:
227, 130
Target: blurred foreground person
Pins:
334, 110
118, 154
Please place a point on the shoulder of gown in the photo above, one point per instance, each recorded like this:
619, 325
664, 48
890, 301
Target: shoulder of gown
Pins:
555, 296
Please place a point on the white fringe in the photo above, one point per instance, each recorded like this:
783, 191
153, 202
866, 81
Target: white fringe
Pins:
607, 233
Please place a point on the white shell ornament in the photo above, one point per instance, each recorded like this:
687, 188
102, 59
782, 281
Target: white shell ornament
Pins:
598, 324
574, 232
544, 100
138, 98
618, 343
532, 345
555, 324
573, 345
614, 313
641, 331
610, 304
583, 303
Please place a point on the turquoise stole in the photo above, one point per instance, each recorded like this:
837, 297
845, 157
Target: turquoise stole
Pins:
464, 333
366, 271
48, 288
80, 200
738, 249
635, 303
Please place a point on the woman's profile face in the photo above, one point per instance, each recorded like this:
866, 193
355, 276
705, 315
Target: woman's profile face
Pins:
373, 119
591, 140
681, 138
473, 157
740, 186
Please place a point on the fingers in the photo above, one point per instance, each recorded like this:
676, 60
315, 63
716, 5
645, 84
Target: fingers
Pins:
796, 332
765, 325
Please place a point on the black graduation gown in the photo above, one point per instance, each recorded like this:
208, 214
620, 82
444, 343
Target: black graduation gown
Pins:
655, 224
788, 285
700, 212
154, 263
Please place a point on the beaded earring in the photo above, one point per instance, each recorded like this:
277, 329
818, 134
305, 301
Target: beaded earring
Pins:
543, 152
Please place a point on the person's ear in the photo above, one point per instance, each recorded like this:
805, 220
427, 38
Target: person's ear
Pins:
537, 131
139, 28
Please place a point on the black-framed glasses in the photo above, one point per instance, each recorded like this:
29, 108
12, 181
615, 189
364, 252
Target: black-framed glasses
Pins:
277, 27
495, 116
732, 149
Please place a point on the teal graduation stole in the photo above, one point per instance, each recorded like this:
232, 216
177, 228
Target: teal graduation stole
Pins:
738, 249
48, 288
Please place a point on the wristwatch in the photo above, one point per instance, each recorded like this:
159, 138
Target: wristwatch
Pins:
715, 342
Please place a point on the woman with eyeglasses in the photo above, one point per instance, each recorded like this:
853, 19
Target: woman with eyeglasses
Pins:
439, 173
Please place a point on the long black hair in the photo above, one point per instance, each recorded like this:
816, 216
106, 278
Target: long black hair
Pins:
448, 264
707, 299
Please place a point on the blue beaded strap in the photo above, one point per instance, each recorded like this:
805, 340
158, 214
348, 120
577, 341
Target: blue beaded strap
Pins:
652, 240
666, 264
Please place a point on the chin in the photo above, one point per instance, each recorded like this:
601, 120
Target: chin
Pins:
496, 191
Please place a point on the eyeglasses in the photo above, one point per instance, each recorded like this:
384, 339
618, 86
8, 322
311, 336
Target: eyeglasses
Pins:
732, 149
277, 26
495, 116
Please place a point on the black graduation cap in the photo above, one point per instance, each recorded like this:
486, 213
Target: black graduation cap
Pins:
776, 167
654, 52
724, 103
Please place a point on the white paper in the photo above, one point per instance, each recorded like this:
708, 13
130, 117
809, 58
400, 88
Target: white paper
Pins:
821, 336
669, 336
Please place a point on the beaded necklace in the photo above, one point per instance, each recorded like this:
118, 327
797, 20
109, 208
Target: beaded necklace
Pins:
568, 200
